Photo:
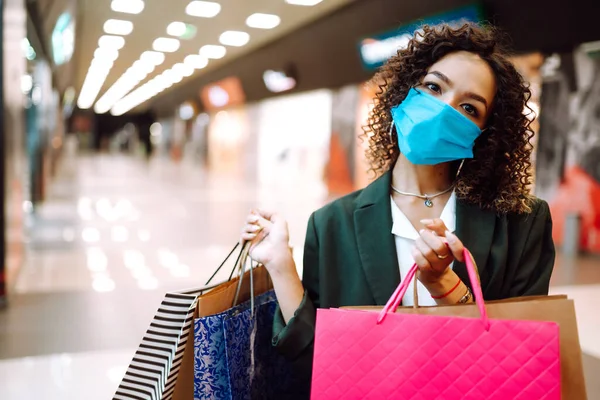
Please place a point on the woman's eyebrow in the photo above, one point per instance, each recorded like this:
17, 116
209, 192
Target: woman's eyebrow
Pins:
442, 77
477, 97
471, 95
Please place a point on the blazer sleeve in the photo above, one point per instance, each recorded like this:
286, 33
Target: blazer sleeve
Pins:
296, 339
537, 260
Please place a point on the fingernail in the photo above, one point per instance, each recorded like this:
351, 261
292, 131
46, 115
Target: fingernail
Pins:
450, 236
427, 221
422, 231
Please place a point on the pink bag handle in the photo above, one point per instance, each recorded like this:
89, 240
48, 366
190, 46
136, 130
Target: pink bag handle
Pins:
400, 291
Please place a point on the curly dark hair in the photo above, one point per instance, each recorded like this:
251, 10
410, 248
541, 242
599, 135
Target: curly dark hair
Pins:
498, 177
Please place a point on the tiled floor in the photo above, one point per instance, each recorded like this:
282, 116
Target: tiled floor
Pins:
116, 233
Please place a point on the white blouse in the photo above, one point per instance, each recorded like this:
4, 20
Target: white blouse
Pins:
405, 235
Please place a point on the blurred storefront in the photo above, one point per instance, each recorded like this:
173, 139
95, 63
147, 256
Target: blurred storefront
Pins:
294, 136
222, 134
14, 195
33, 120
568, 156
43, 126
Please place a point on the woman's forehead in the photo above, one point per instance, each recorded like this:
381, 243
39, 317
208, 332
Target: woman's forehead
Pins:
467, 72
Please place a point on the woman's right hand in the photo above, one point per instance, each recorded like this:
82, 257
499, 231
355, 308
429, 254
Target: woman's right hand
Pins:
269, 245
268, 234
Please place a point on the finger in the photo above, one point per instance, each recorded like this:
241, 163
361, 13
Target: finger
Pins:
436, 243
269, 215
436, 225
247, 237
252, 228
455, 245
264, 223
428, 253
420, 260
252, 218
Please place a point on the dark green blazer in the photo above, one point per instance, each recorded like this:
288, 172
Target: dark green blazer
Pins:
350, 259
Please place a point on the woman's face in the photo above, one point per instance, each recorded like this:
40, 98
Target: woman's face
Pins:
465, 82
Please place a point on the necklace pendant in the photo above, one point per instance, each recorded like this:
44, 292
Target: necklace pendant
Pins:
428, 203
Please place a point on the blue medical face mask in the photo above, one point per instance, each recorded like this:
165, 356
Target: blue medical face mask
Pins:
432, 132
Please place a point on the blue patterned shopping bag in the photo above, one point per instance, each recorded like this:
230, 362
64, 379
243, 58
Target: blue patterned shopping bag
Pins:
256, 369
233, 355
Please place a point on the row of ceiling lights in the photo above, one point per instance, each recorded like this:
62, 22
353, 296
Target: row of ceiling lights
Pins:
116, 99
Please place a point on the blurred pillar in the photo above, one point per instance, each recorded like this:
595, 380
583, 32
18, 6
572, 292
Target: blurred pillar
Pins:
12, 154
572, 234
2, 170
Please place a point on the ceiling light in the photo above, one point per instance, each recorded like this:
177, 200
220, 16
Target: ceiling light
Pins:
196, 61
177, 68
303, 2
176, 28
188, 70
113, 42
181, 30
92, 84
167, 45
118, 27
213, 51
127, 6
278, 81
183, 69
161, 83
234, 38
171, 76
103, 53
152, 57
141, 66
204, 9
263, 21
186, 112
102, 63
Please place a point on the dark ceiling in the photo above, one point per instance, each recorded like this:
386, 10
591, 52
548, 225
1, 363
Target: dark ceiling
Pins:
325, 52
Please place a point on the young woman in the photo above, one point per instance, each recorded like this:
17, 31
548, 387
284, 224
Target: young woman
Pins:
449, 136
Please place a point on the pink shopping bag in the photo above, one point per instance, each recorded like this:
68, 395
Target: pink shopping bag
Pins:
366, 355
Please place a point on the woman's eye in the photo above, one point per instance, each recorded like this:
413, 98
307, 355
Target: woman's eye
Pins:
470, 110
433, 87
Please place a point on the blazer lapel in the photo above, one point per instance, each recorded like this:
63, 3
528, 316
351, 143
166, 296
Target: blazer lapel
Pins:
376, 246
475, 228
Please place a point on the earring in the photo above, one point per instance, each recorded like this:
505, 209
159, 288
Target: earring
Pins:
459, 169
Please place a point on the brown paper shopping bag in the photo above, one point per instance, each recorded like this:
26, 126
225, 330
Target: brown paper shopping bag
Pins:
557, 309
163, 366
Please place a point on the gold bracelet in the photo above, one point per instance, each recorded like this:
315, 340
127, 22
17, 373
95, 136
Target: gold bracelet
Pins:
467, 297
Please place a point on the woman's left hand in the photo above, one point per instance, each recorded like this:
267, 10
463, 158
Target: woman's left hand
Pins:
435, 249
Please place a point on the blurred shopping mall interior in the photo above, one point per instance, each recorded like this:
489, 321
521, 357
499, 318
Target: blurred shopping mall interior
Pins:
138, 134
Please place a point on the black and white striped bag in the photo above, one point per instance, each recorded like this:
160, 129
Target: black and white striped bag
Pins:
154, 370
152, 374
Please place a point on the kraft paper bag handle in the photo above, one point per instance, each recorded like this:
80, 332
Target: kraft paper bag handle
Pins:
244, 257
240, 266
400, 291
